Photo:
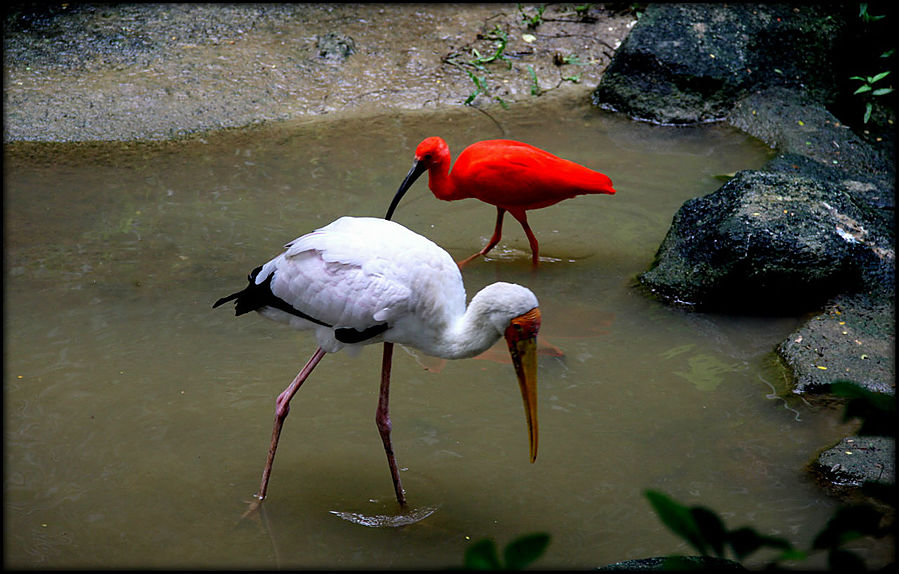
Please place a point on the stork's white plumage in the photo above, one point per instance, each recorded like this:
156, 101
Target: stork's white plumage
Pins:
359, 281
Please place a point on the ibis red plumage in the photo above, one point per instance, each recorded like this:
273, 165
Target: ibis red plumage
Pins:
514, 176
360, 281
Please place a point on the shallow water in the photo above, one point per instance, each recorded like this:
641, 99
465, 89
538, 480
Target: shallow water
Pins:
137, 418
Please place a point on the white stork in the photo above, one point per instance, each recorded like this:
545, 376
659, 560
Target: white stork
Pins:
360, 281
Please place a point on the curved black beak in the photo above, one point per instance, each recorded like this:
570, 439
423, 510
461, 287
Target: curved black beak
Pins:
418, 168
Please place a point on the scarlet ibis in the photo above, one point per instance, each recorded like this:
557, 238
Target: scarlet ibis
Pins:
359, 281
511, 175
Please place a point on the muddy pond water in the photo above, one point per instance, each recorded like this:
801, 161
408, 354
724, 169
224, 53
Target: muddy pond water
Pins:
137, 419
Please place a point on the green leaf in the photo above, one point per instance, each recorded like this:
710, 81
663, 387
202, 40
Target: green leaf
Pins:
522, 551
879, 77
881, 91
877, 410
792, 555
678, 519
840, 560
744, 541
535, 87
711, 528
865, 88
885, 493
865, 16
847, 524
482, 555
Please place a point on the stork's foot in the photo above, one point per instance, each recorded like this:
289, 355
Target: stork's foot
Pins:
405, 517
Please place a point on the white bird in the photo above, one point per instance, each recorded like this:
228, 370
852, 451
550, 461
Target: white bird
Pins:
360, 281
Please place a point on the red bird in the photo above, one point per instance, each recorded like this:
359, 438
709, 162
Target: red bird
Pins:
511, 175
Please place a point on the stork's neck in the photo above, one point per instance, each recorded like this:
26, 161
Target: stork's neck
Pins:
484, 321
470, 335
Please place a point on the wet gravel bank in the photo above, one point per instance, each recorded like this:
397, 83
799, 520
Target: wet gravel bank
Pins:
97, 72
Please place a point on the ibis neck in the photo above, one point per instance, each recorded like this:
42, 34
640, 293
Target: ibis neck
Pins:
441, 182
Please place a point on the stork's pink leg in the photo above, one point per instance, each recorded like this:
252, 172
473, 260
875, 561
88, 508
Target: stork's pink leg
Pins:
382, 419
282, 407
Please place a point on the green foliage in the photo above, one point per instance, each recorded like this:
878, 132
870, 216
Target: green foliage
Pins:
569, 60
704, 530
867, 90
500, 38
480, 86
573, 60
532, 21
535, 86
876, 410
847, 524
581, 9
518, 554
865, 16
638, 8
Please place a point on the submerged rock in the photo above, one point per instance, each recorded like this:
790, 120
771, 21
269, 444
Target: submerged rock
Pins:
674, 563
857, 460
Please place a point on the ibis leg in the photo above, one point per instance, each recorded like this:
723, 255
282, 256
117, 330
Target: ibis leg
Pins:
282, 407
382, 419
523, 220
497, 235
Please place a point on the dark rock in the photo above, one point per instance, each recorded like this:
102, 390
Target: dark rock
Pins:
851, 340
688, 63
767, 242
857, 460
795, 123
875, 192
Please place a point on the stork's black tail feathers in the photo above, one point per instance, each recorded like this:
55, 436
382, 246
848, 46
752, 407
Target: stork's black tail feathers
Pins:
253, 296
256, 296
